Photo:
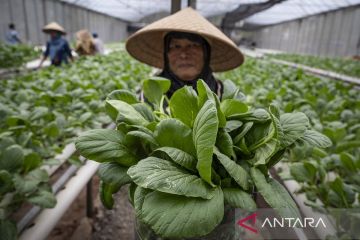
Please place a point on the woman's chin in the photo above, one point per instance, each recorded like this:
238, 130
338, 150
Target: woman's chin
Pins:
187, 76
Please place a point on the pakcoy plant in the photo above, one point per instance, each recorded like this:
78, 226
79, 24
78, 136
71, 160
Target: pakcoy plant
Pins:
186, 161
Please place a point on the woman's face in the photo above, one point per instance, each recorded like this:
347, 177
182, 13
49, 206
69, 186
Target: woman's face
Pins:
54, 34
186, 58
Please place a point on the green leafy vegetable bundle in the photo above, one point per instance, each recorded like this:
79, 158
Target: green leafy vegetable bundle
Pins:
186, 163
16, 55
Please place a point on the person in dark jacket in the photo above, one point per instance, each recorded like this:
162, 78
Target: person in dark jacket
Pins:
12, 36
187, 48
57, 48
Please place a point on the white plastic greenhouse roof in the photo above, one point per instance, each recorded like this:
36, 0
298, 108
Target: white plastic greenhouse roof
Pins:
134, 10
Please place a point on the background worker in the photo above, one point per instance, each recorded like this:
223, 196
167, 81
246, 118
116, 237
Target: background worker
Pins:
57, 48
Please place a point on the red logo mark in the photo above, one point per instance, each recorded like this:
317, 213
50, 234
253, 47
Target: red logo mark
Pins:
252, 219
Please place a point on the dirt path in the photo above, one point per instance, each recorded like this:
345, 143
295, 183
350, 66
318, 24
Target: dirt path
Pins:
117, 223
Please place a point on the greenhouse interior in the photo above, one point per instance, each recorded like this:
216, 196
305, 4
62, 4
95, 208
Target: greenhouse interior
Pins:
179, 119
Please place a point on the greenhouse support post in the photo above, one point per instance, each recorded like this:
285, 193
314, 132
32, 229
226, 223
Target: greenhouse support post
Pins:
89, 199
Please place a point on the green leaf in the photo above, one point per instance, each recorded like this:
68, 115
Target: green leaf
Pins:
242, 147
143, 136
174, 133
104, 145
245, 128
258, 135
32, 161
204, 136
139, 197
258, 115
180, 157
275, 158
123, 95
165, 176
8, 230
233, 106
294, 126
300, 172
232, 125
275, 195
114, 173
230, 89
6, 183
155, 88
173, 216
183, 105
12, 158
145, 111
131, 193
344, 146
236, 171
106, 190
276, 126
338, 187
52, 129
29, 182
220, 114
43, 199
264, 153
204, 93
38, 112
164, 83
348, 161
224, 143
316, 139
120, 111
239, 199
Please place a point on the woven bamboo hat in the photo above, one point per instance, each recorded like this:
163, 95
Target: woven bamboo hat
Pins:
53, 26
147, 44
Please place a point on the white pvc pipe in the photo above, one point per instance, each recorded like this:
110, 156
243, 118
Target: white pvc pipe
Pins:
300, 199
259, 53
48, 219
321, 72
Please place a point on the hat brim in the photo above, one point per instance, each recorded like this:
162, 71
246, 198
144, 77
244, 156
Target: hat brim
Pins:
47, 30
148, 47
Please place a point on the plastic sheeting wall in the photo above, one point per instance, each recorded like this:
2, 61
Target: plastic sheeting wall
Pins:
334, 33
30, 16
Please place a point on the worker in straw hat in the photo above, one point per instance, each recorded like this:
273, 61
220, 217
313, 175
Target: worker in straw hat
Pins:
186, 47
85, 43
57, 48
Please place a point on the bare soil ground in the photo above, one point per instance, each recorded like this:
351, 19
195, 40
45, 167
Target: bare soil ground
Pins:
117, 223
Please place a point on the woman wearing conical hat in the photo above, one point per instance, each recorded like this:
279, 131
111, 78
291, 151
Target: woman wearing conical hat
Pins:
186, 47
57, 48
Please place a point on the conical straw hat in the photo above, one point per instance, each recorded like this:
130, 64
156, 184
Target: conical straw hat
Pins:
53, 26
147, 44
84, 40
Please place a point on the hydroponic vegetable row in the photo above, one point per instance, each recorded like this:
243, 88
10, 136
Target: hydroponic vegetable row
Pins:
330, 179
42, 111
13, 56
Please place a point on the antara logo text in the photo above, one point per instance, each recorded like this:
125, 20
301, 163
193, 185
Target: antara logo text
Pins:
281, 222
